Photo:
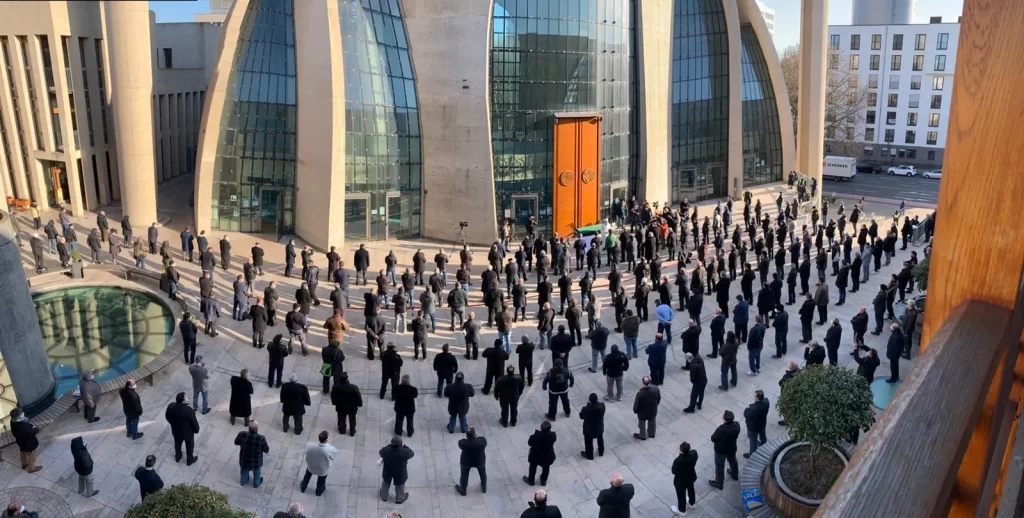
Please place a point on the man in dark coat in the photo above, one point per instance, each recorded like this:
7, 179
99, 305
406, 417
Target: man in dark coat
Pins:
225, 253
496, 358
241, 397
24, 434
806, 317
277, 351
684, 475
756, 417
346, 400
184, 427
188, 331
149, 481
394, 463
445, 365
781, 325
132, 406
699, 380
471, 330
257, 258
614, 501
258, 314
592, 415
405, 395
507, 390
645, 406
724, 440
542, 453
859, 323
294, 400
561, 345
252, 446
893, 351
524, 353
289, 258
832, 338
152, 235
691, 340
361, 260
390, 370
83, 467
474, 455
458, 395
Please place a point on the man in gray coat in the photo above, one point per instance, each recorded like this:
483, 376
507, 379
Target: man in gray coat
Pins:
645, 406
200, 384
319, 457
90, 391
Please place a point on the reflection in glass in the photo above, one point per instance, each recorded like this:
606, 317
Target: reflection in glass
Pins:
554, 56
382, 118
257, 131
355, 219
762, 138
700, 101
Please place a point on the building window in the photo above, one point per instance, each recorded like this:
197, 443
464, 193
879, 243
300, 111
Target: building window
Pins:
869, 118
830, 132
912, 119
869, 134
890, 135
855, 42
762, 135
833, 41
894, 81
854, 62
901, 153
872, 99
918, 63
931, 155
910, 137
896, 63
894, 100
915, 82
938, 82
915, 100
933, 138
919, 41
897, 42
890, 118
168, 61
853, 81
875, 59
876, 42
936, 102
933, 120
940, 63
833, 61
943, 42
912, 154
873, 81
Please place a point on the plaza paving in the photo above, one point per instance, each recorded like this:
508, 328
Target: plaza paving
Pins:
351, 486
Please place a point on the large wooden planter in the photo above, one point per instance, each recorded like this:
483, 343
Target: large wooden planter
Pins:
779, 496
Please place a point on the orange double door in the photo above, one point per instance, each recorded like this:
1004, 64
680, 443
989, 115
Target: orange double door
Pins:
577, 174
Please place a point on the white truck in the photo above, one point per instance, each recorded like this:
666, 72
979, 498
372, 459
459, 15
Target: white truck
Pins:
839, 168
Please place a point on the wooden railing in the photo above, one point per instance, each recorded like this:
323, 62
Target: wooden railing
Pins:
908, 465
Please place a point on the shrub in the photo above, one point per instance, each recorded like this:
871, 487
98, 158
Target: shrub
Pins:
920, 273
186, 501
824, 405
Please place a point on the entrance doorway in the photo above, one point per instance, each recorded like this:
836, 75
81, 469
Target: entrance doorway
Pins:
396, 227
525, 206
577, 172
357, 224
57, 189
271, 211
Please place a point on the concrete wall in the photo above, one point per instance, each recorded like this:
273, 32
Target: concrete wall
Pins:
655, 99
450, 43
735, 173
749, 13
320, 93
810, 142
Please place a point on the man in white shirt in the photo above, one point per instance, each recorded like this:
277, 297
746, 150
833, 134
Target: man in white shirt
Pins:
319, 457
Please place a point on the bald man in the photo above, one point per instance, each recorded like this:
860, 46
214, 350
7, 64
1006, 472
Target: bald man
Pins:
539, 507
294, 511
614, 501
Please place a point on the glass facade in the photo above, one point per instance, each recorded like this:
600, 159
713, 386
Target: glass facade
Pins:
561, 56
382, 131
254, 175
762, 138
700, 101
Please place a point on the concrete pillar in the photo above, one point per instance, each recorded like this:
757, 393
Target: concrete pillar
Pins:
129, 50
655, 101
810, 138
734, 173
21, 340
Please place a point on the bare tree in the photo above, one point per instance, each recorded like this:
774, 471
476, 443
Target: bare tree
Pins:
846, 100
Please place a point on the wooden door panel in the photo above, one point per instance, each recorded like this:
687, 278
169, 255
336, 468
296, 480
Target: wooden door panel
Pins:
588, 207
565, 177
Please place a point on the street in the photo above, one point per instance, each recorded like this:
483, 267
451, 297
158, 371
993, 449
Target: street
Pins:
911, 189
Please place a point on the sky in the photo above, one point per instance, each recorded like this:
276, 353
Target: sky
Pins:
787, 14
840, 12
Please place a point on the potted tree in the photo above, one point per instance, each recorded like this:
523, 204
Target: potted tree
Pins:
186, 500
823, 406
77, 266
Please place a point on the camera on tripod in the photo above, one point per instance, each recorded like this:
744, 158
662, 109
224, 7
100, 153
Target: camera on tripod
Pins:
463, 224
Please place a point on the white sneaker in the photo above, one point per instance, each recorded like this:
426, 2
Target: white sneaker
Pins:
675, 509
749, 373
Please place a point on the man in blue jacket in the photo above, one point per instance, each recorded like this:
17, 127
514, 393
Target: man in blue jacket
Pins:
754, 346
781, 326
665, 314
740, 317
656, 359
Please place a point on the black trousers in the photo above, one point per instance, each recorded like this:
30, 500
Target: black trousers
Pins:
741, 332
588, 445
510, 408
682, 491
351, 422
553, 403
697, 395
805, 331
399, 417
298, 423
190, 352
543, 472
474, 347
833, 355
384, 385
442, 382
657, 375
276, 370
576, 334
894, 369
641, 311
90, 412
190, 444
526, 373
822, 313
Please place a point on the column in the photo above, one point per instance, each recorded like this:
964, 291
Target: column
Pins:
810, 138
21, 340
128, 45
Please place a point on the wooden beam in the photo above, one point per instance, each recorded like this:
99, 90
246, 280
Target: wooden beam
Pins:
977, 253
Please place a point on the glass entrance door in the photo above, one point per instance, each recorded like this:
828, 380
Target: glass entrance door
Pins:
357, 223
523, 207
396, 227
717, 181
271, 211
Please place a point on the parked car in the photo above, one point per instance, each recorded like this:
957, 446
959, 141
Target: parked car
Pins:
899, 309
903, 170
936, 174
